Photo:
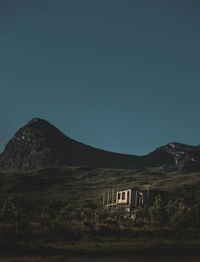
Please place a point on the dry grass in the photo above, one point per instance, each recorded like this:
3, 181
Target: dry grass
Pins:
108, 259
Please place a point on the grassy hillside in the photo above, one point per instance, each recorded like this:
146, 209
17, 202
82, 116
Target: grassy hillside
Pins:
68, 227
81, 183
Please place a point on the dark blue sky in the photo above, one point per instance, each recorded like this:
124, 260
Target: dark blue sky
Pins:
118, 75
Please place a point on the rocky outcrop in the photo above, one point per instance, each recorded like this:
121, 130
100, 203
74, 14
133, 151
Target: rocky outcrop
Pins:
177, 156
39, 144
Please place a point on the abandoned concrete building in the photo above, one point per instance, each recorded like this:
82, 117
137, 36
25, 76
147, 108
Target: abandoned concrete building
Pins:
133, 198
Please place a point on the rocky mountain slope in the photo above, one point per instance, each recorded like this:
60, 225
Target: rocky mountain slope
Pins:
39, 144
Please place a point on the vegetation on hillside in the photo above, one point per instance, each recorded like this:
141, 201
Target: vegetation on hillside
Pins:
82, 183
60, 210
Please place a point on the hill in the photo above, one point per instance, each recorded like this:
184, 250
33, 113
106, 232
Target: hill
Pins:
39, 145
74, 184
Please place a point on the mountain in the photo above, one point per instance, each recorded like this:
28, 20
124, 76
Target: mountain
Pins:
39, 144
175, 157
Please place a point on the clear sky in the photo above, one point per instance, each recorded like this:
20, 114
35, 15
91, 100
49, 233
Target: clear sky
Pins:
121, 75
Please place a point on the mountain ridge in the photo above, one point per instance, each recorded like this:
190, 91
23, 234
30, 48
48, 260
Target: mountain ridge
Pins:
39, 144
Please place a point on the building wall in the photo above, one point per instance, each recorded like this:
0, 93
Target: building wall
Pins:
123, 197
139, 198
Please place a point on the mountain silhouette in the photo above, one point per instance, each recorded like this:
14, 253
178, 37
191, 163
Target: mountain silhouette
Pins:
39, 144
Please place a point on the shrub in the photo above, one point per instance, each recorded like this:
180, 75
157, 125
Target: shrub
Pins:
157, 213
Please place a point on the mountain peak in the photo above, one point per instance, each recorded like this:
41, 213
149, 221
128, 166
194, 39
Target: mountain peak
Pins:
36, 120
39, 122
35, 145
181, 156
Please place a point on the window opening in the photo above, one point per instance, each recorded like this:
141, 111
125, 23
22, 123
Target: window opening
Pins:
123, 195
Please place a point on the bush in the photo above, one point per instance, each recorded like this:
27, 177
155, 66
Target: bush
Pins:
182, 216
157, 213
16, 211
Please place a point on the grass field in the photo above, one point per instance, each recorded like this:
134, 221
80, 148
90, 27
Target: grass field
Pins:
108, 249
110, 259
81, 183
78, 184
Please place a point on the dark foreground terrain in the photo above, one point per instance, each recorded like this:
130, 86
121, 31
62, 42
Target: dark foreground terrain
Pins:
110, 259
56, 214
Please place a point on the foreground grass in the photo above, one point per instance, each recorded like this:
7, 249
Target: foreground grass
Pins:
108, 250
148, 258
103, 247
127, 249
